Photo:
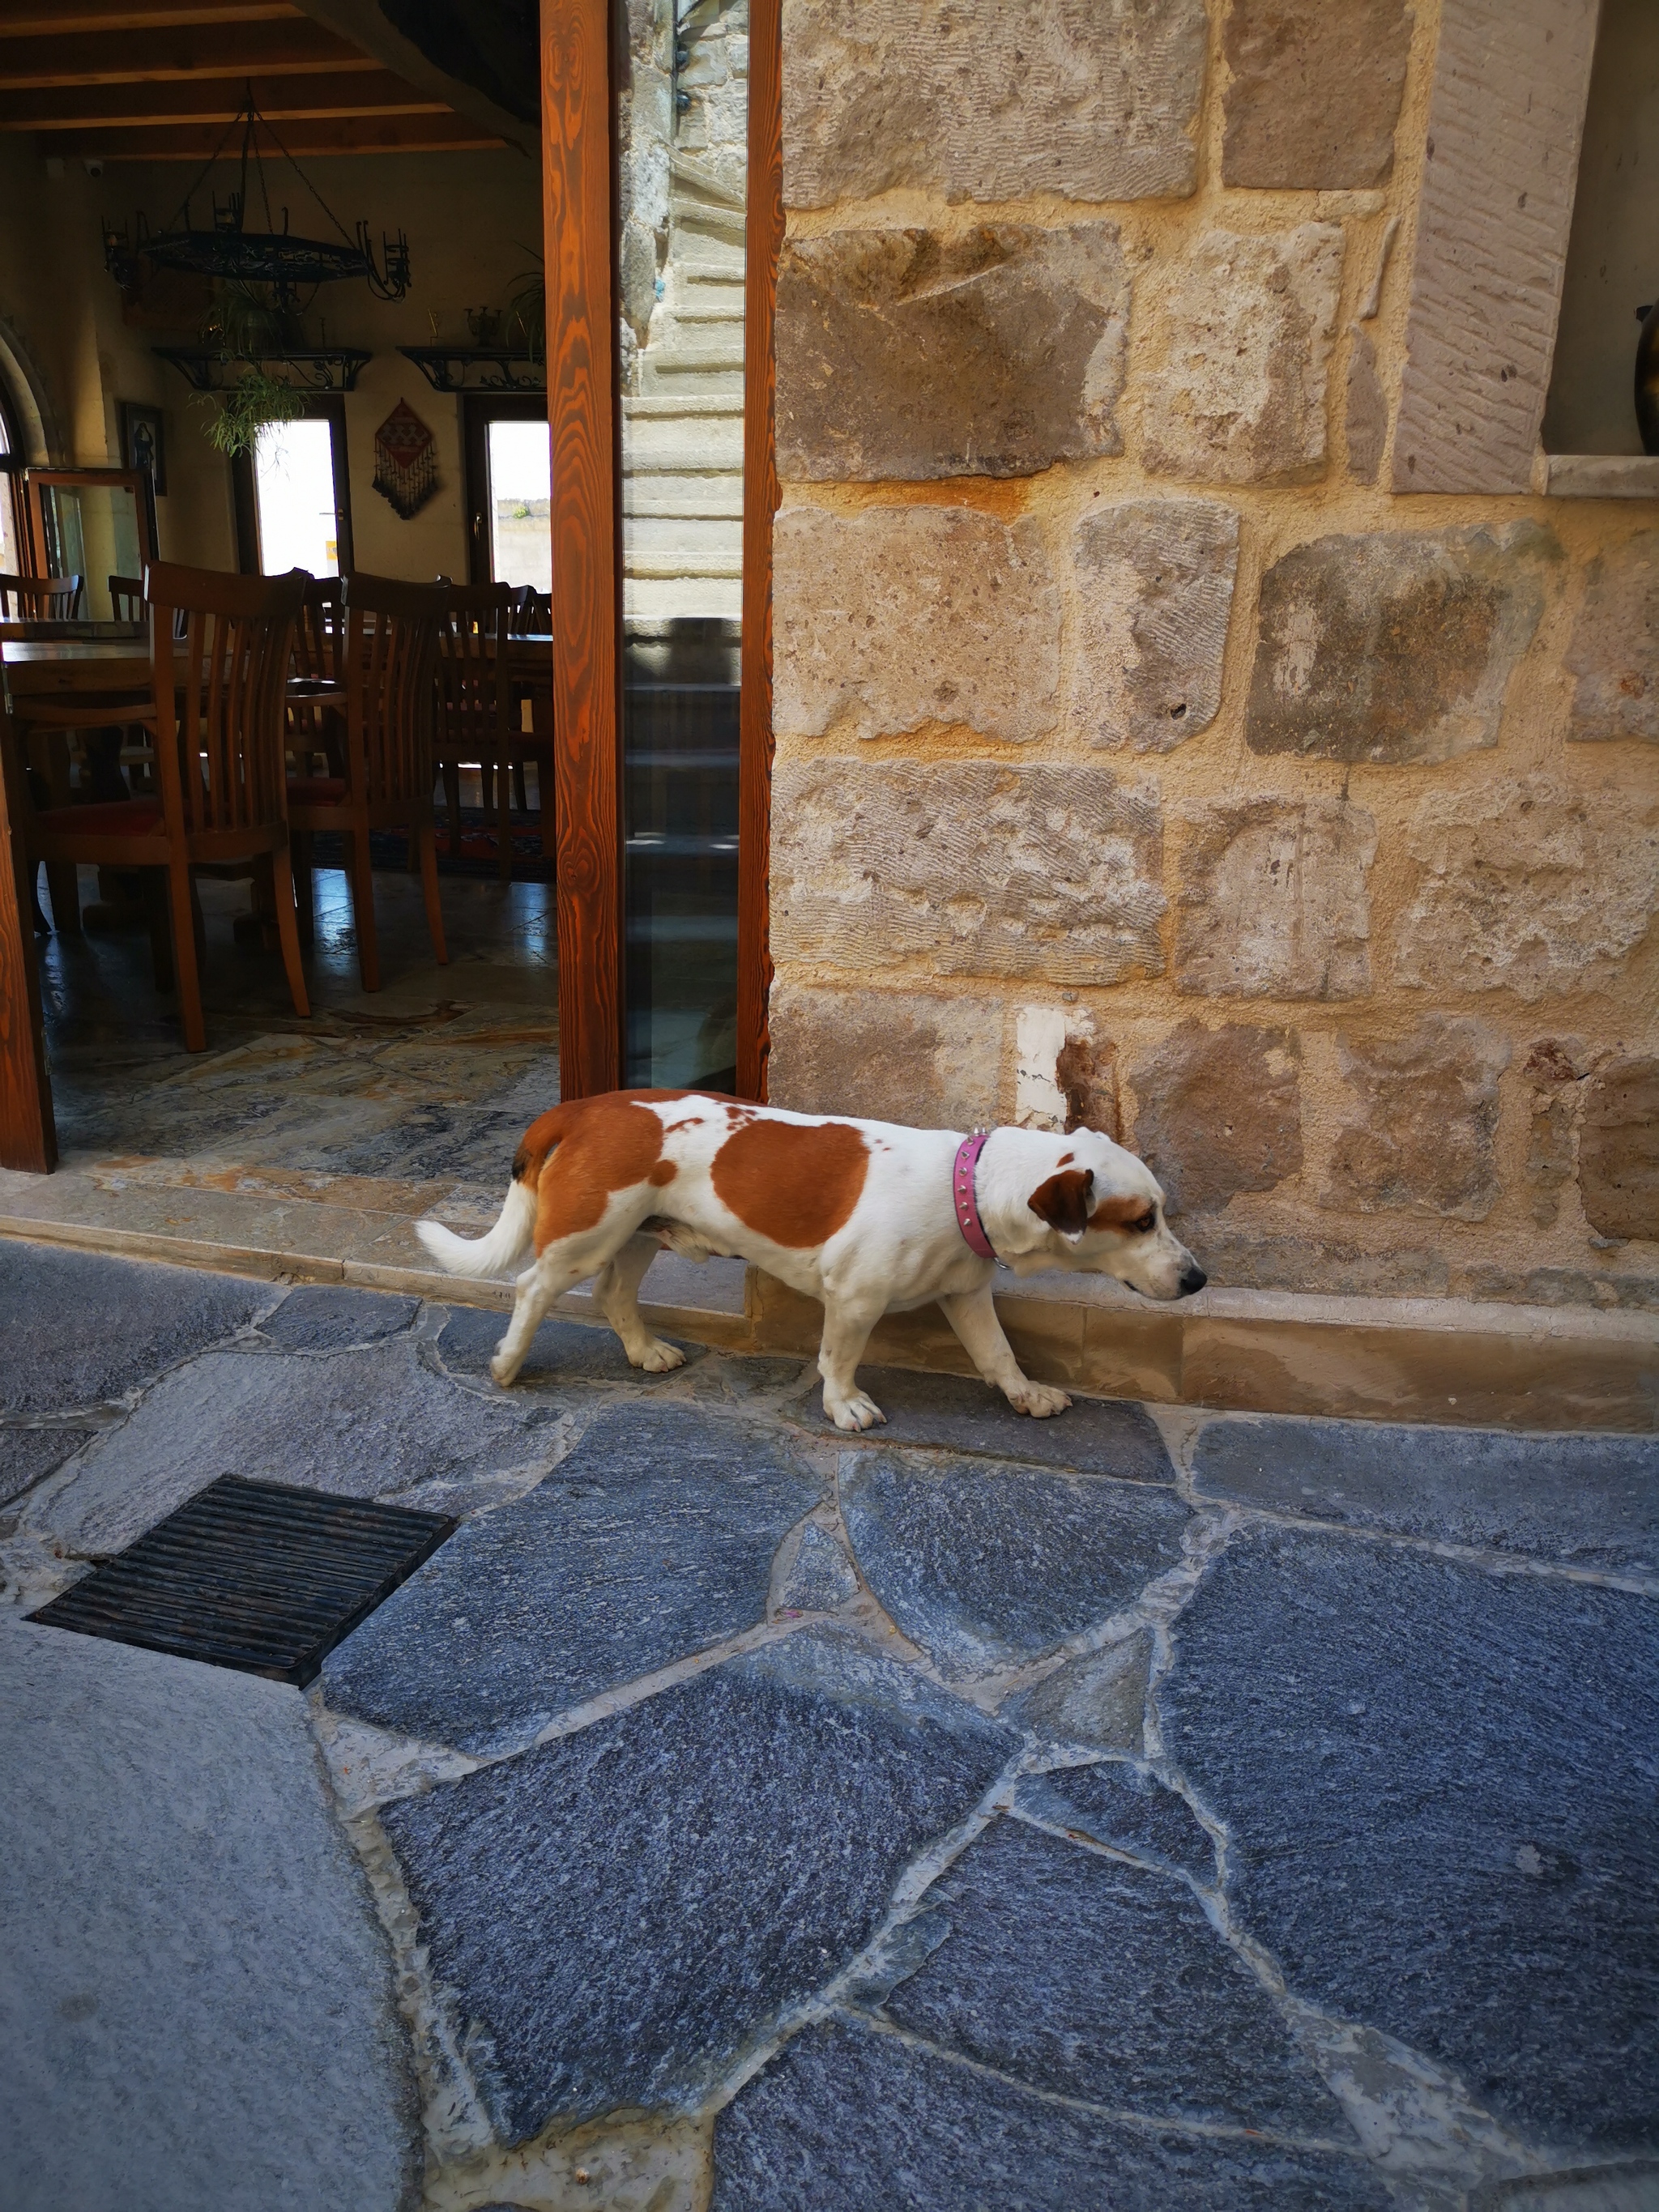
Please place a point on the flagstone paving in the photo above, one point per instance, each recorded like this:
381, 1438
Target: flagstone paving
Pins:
1130, 1810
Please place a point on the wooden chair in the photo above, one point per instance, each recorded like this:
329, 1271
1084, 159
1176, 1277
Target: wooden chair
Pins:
476, 710
40, 599
217, 700
315, 721
389, 649
126, 598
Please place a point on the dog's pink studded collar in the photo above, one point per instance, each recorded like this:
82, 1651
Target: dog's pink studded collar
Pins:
967, 1199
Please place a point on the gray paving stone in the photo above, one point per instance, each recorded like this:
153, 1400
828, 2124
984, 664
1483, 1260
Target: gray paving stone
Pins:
27, 1455
1440, 1787
361, 1423
1126, 1806
196, 2001
732, 1378
986, 1566
79, 1328
325, 1316
1590, 1500
1081, 1976
560, 1352
1100, 1699
852, 2118
621, 1910
1098, 1435
652, 1540
822, 1577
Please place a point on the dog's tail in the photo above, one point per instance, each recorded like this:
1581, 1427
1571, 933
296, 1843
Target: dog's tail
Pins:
507, 1243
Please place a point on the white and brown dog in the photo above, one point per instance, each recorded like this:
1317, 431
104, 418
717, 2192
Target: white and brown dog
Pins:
867, 1216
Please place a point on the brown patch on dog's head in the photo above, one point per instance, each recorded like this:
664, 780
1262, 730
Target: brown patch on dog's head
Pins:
1063, 1201
1138, 1216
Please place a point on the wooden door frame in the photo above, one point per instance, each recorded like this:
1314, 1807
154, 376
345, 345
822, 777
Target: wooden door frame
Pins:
580, 202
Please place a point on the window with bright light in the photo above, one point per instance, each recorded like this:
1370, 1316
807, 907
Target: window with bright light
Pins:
520, 505
294, 492
9, 563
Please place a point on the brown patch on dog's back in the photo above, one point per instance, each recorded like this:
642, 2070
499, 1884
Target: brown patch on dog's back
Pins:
795, 1183
583, 1152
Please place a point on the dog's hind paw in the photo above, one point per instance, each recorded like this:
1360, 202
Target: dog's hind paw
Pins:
853, 1413
504, 1371
658, 1356
1040, 1400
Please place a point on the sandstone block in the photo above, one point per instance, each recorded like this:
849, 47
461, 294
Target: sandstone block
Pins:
1065, 1076
1219, 1111
1554, 1069
890, 1056
1274, 900
982, 869
1529, 886
1239, 396
1315, 92
900, 617
1155, 581
1420, 1137
904, 354
1618, 1149
989, 99
1614, 650
1396, 646
1367, 414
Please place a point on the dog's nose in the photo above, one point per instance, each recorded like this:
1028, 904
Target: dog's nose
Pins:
1192, 1278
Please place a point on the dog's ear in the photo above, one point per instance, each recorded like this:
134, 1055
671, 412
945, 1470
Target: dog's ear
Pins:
1063, 1201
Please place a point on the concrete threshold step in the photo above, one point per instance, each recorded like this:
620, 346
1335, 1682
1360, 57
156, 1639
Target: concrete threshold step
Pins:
1444, 1360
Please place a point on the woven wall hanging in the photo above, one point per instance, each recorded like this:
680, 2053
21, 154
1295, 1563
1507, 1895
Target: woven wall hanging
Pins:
406, 461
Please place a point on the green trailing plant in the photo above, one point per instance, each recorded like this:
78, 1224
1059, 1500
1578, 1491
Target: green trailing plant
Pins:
239, 415
248, 326
526, 311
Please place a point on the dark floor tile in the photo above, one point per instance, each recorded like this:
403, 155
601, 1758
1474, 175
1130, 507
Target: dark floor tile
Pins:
1123, 1805
27, 1455
821, 1577
326, 1317
853, 2120
561, 1350
622, 1909
985, 1565
1591, 1500
363, 1424
1441, 1788
652, 1540
1098, 1435
735, 1378
1080, 1975
1099, 1698
79, 1326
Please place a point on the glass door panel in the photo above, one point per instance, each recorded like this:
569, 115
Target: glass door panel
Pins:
517, 462
293, 480
92, 529
682, 130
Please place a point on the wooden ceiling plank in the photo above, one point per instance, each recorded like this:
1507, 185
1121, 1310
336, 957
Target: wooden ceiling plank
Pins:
280, 99
30, 19
176, 53
360, 134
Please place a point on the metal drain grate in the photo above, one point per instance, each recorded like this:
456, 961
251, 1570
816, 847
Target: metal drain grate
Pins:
254, 1575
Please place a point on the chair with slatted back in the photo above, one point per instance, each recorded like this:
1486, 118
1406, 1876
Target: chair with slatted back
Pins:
217, 699
315, 719
40, 599
475, 705
389, 648
126, 598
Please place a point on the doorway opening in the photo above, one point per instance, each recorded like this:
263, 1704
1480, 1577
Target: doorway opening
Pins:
293, 495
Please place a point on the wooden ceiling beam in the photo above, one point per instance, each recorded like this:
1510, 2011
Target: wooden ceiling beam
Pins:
175, 55
350, 134
280, 101
30, 19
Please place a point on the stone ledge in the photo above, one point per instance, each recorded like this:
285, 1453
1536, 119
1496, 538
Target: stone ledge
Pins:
1597, 475
1453, 1361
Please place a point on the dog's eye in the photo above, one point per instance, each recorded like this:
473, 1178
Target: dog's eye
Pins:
1145, 1225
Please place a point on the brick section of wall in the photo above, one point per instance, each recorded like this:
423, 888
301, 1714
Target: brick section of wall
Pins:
1141, 753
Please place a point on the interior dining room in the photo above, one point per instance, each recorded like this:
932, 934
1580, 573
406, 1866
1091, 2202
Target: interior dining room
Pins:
273, 405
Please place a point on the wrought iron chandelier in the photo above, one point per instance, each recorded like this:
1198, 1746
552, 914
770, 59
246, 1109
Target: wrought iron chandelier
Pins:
288, 263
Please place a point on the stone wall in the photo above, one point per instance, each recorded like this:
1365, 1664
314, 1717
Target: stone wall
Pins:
1141, 758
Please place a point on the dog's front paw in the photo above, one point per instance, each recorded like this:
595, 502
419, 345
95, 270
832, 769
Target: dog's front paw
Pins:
1040, 1400
855, 1413
658, 1358
503, 1371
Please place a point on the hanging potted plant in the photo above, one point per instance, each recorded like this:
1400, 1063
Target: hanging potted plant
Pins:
249, 330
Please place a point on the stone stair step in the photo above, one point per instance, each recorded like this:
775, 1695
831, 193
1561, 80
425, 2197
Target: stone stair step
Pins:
687, 495
649, 602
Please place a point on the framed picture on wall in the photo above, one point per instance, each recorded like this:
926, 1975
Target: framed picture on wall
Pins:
143, 442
